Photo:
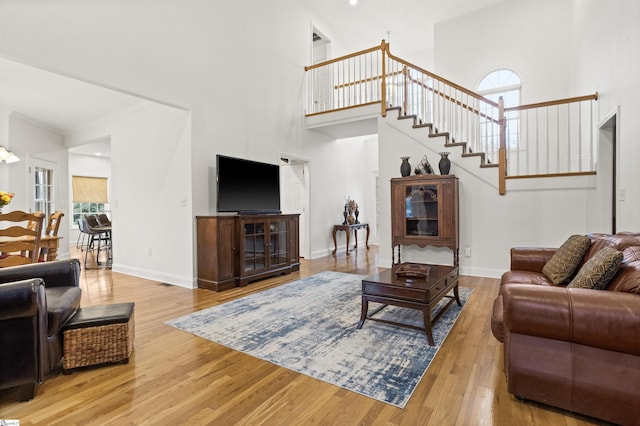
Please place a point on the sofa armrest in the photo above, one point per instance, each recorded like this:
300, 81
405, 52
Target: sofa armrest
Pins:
530, 258
20, 299
598, 318
55, 274
23, 323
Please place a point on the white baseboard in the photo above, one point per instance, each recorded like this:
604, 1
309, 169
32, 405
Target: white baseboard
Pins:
180, 281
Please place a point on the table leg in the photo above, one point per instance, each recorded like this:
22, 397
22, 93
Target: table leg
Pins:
335, 244
363, 312
355, 235
426, 313
367, 241
348, 238
52, 254
455, 293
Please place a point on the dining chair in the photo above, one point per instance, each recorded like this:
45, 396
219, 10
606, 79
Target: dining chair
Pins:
53, 225
103, 220
95, 234
20, 243
92, 221
81, 235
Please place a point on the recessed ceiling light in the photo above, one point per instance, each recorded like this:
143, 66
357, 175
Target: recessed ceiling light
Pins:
353, 2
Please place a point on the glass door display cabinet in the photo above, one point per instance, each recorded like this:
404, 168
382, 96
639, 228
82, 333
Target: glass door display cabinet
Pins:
235, 250
424, 212
254, 247
264, 246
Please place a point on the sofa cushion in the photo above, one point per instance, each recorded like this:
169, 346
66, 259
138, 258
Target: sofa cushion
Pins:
627, 279
525, 277
62, 303
599, 270
566, 260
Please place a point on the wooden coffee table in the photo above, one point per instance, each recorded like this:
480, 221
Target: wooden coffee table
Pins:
413, 293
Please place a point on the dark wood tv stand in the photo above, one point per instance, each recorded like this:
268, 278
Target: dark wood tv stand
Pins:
235, 250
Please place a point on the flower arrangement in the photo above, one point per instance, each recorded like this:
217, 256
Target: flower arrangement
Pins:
5, 198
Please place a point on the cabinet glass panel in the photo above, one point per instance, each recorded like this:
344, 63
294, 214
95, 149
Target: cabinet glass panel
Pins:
278, 243
254, 254
421, 212
253, 228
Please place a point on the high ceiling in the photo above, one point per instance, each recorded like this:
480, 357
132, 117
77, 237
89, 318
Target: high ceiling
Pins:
57, 101
67, 104
406, 24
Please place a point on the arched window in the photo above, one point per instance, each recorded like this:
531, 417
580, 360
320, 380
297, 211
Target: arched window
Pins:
506, 83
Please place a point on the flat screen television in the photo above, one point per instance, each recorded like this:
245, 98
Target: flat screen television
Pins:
247, 187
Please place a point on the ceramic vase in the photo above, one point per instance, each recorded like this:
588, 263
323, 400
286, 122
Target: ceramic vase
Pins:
445, 164
405, 167
351, 219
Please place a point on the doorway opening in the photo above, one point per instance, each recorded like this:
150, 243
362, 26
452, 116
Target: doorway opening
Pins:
607, 177
294, 195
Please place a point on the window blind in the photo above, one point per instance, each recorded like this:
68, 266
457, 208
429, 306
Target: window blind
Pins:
89, 189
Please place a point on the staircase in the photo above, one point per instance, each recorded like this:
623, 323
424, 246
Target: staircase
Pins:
552, 138
448, 142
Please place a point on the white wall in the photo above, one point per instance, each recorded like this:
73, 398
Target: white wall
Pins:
605, 57
32, 141
150, 191
339, 168
4, 141
531, 37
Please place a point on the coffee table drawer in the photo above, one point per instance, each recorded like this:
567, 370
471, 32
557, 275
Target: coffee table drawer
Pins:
407, 293
443, 286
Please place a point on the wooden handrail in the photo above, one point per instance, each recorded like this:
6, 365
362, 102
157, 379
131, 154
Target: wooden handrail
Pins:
363, 81
342, 58
453, 95
455, 101
343, 108
551, 175
437, 77
593, 97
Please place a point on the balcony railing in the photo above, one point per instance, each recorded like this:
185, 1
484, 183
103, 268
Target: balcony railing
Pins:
549, 138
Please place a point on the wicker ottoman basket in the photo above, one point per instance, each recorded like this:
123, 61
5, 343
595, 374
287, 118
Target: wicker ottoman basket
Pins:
99, 335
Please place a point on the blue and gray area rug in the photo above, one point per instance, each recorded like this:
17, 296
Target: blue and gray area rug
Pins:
309, 326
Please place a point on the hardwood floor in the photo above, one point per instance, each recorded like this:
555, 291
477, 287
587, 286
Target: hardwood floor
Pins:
176, 378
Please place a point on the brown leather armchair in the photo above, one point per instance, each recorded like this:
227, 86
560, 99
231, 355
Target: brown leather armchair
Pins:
35, 302
573, 348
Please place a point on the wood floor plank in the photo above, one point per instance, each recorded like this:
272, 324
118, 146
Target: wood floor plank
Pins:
176, 378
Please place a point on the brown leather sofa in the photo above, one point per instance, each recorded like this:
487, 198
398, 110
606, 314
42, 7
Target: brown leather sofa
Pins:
573, 348
35, 303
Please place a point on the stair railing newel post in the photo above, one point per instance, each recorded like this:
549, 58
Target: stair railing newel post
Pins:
502, 152
383, 79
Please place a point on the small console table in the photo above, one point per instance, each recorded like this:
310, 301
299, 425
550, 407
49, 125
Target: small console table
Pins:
347, 229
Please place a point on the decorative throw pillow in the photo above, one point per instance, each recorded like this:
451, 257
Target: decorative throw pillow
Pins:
598, 270
566, 260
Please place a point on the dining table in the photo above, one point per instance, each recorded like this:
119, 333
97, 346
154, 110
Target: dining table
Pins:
48, 249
